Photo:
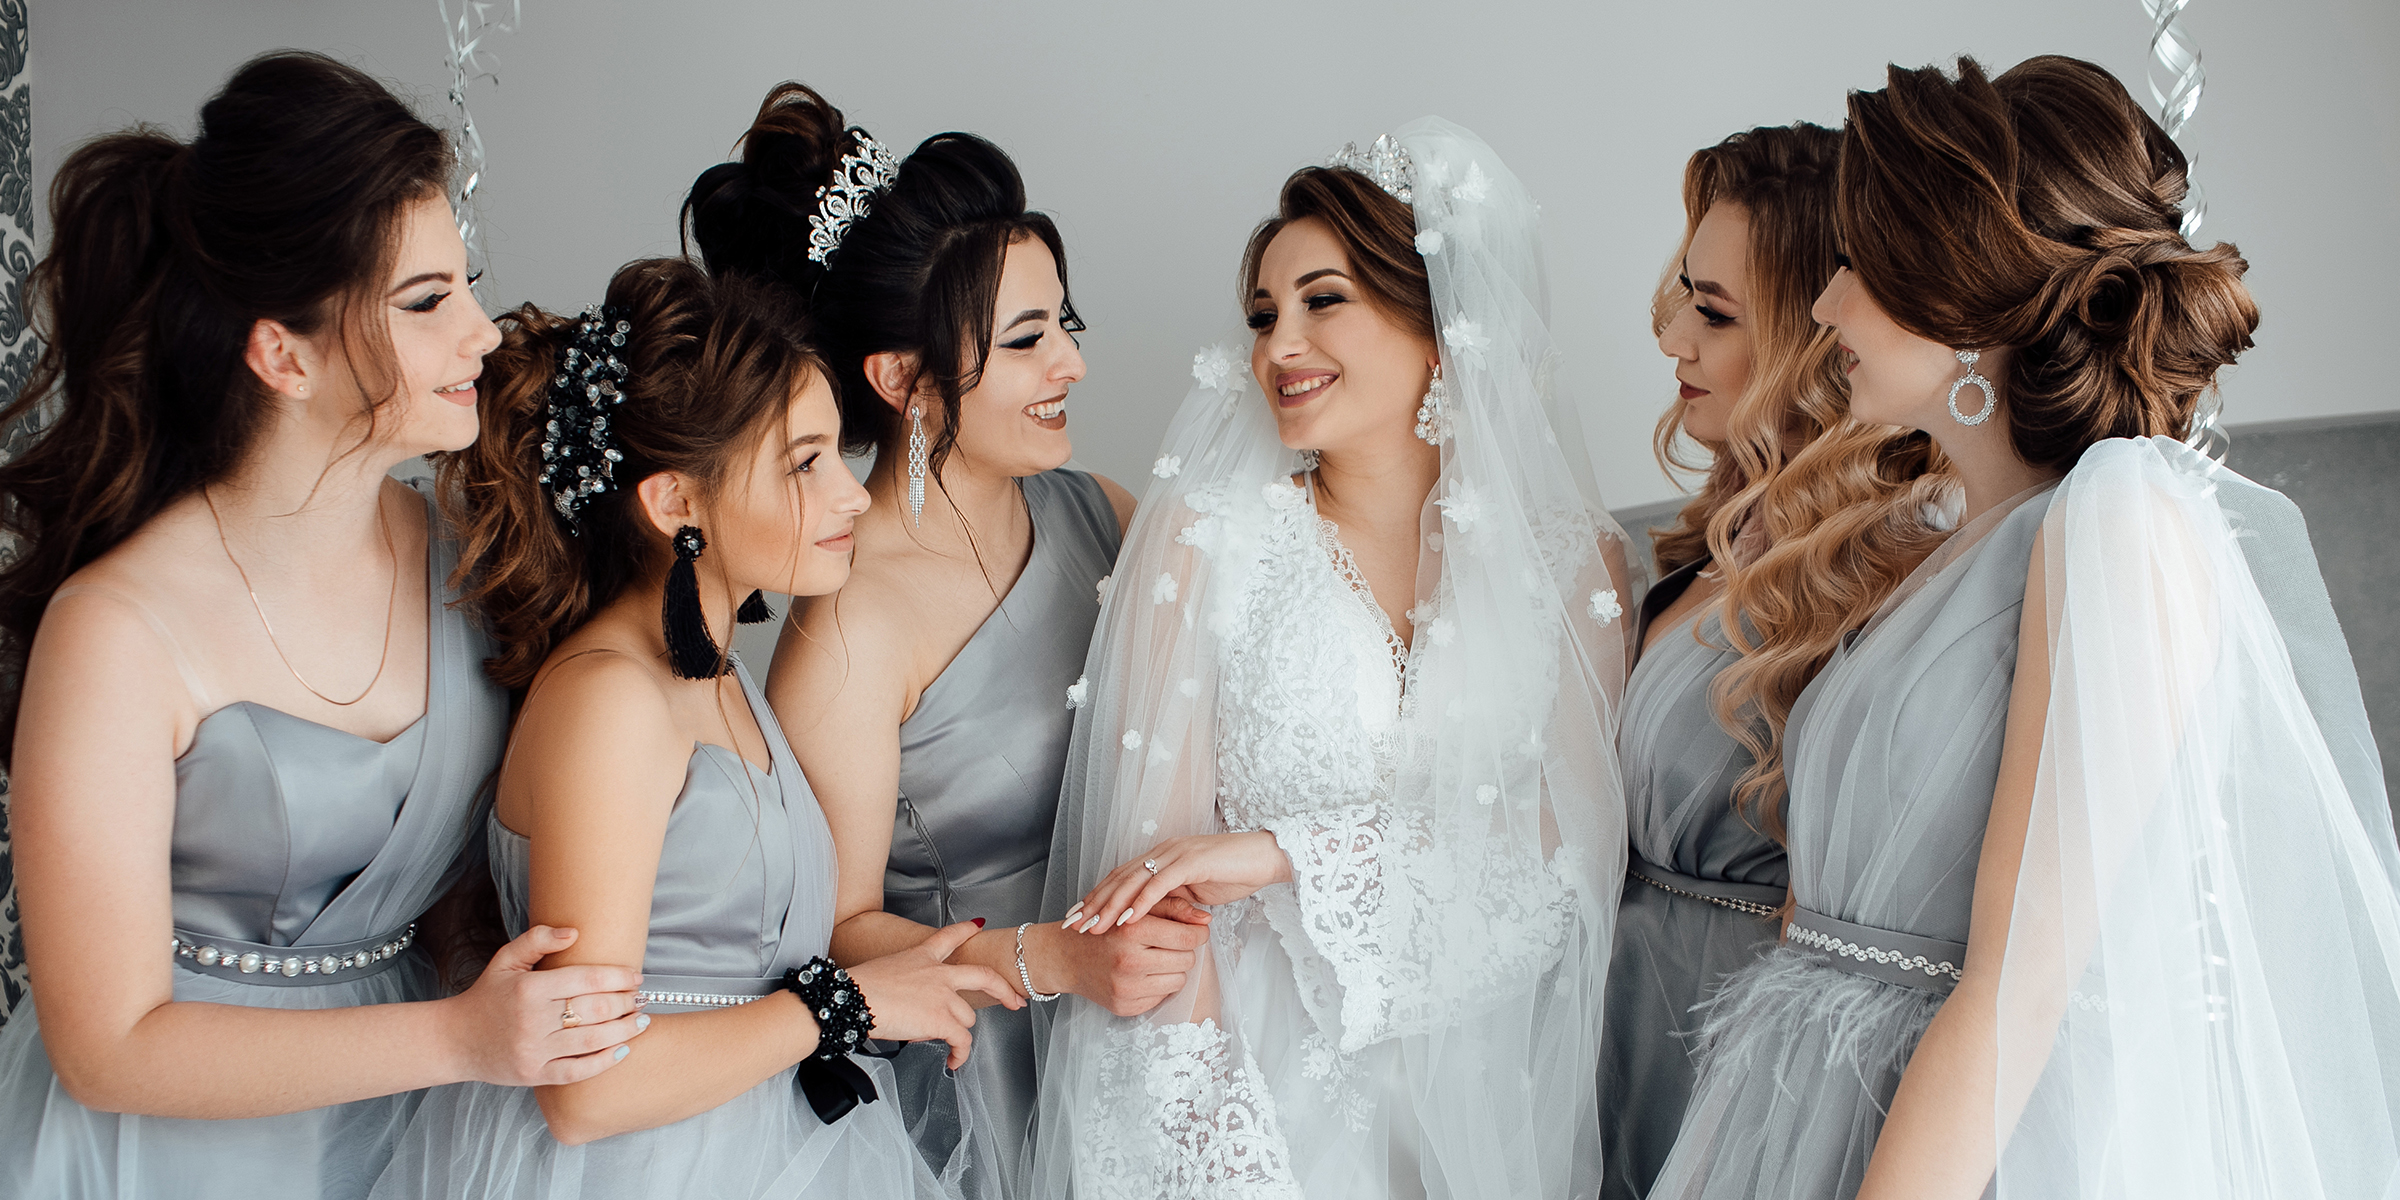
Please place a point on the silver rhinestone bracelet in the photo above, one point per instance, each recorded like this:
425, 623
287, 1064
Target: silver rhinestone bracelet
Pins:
1024, 976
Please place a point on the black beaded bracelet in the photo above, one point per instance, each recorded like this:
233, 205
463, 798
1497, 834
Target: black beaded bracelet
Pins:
843, 1020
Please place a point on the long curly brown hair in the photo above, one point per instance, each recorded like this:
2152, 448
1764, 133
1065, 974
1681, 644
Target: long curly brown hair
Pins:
1833, 506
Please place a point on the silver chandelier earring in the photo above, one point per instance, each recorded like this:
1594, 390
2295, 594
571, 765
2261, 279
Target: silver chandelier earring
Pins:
1432, 422
1991, 399
917, 447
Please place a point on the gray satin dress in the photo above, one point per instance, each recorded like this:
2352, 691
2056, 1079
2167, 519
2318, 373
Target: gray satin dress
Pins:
981, 761
1700, 892
744, 892
301, 855
1890, 755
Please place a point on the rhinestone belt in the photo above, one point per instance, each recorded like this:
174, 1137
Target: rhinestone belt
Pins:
701, 991
289, 966
1886, 954
1749, 899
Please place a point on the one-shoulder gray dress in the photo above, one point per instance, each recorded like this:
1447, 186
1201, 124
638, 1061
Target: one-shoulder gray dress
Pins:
745, 892
1701, 888
981, 761
1890, 757
301, 857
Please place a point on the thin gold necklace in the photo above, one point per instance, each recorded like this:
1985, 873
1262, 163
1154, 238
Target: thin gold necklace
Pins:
391, 607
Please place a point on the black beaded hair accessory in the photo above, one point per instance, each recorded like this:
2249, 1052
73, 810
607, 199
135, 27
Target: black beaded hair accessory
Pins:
828, 1080
579, 456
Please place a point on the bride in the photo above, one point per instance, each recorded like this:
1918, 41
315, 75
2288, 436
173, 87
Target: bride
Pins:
1356, 688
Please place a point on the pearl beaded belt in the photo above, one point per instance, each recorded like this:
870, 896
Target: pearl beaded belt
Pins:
681, 993
1885, 954
289, 966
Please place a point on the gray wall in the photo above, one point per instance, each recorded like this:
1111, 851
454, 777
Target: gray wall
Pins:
1157, 133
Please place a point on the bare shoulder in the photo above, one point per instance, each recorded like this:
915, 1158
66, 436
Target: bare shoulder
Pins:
1119, 499
597, 725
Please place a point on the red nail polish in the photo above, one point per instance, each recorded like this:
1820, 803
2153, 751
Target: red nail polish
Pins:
978, 922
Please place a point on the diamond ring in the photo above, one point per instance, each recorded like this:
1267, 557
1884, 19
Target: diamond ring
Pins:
1150, 865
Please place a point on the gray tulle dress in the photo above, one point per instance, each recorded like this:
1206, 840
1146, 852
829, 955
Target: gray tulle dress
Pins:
1890, 758
1701, 888
745, 892
301, 857
981, 760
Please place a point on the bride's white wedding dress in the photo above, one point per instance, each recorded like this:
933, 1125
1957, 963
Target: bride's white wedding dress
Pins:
1416, 1013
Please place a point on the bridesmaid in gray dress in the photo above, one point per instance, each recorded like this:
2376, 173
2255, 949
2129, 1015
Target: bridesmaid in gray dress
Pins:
646, 468
1707, 876
1930, 970
929, 698
284, 799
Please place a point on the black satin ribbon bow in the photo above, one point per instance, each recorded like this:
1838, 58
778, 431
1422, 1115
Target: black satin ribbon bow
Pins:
833, 1086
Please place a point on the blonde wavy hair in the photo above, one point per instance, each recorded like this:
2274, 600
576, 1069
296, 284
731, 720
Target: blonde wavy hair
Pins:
1831, 512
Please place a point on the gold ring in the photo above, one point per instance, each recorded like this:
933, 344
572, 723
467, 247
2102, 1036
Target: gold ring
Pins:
566, 1016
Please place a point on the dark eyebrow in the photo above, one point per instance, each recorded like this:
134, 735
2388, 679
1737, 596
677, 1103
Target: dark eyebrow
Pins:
1318, 274
1705, 287
414, 280
1031, 314
807, 439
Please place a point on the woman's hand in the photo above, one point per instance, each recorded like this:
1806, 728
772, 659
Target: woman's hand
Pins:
914, 993
1214, 868
511, 1025
1130, 969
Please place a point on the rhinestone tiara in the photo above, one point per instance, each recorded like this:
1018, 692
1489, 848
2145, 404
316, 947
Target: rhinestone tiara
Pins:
1386, 162
860, 174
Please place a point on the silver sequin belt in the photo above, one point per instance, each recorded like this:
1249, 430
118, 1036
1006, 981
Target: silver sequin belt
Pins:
1749, 899
289, 966
1885, 954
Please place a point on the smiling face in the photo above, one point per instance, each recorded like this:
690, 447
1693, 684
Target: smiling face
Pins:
439, 335
1014, 422
781, 521
1340, 374
1710, 337
1896, 377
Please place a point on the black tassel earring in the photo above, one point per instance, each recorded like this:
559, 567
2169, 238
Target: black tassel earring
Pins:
691, 652
754, 610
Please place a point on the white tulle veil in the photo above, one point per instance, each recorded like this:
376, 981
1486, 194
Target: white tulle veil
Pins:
2201, 991
1499, 841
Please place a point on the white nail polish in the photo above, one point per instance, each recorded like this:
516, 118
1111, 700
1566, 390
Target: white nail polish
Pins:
622, 1051
1073, 913
1127, 917
1092, 924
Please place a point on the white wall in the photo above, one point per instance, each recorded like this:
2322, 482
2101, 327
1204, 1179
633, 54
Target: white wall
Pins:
1157, 135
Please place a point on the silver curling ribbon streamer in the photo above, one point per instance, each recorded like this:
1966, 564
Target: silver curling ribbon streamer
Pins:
2176, 57
468, 63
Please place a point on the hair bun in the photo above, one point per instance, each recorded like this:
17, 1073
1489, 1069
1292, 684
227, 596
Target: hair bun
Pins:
739, 213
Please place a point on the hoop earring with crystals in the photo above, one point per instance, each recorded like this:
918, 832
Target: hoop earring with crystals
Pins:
1432, 423
1991, 399
918, 445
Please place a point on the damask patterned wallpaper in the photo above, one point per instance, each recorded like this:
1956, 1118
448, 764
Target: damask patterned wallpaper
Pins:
18, 347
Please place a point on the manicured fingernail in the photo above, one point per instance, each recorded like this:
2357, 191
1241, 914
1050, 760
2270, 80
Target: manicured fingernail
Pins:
622, 1051
978, 922
1127, 917
1073, 913
1092, 924
642, 1021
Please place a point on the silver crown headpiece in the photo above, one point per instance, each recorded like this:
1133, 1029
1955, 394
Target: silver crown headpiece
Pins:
579, 455
860, 174
1386, 162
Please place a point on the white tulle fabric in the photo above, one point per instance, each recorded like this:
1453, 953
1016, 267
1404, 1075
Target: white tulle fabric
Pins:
1418, 1012
2201, 991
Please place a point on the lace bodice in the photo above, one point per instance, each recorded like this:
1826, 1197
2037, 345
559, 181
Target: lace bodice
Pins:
1309, 711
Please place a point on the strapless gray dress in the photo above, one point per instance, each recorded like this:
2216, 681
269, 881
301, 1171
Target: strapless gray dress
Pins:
1700, 892
745, 892
301, 856
981, 761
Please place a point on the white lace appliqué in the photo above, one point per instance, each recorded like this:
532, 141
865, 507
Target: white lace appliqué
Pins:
1182, 1114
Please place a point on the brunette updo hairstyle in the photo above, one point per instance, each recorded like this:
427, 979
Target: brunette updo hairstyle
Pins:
713, 365
918, 275
2040, 211
163, 255
1376, 230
